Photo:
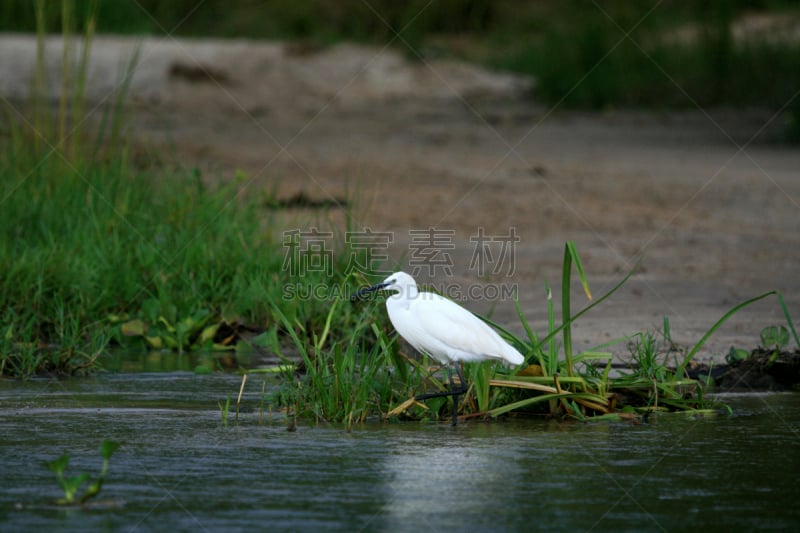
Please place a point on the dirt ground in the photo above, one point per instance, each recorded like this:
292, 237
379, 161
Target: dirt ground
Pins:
707, 197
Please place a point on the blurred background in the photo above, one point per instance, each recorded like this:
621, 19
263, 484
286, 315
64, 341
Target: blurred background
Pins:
719, 53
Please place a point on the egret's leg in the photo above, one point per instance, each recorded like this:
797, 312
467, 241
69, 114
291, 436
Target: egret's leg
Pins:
461, 389
453, 391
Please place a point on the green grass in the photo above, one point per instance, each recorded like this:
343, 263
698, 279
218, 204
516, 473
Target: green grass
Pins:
97, 252
363, 375
95, 255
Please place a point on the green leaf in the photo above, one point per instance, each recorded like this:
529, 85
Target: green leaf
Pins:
570, 257
170, 342
208, 333
151, 309
154, 342
59, 465
134, 328
108, 447
706, 379
542, 398
92, 490
223, 347
167, 324
185, 326
190, 326
777, 336
115, 319
72, 484
736, 355
264, 340
589, 307
170, 313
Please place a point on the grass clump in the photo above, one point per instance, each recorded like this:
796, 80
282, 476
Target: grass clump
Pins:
98, 255
651, 384
340, 381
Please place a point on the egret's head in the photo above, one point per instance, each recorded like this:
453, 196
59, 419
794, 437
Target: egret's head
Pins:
399, 282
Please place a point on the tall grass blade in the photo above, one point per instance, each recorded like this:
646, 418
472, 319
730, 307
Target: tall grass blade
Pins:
552, 346
290, 329
79, 96
122, 93
576, 259
38, 91
327, 328
570, 257
788, 318
689, 356
594, 304
528, 331
67, 29
566, 290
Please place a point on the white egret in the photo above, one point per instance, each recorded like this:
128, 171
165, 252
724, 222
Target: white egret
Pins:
439, 327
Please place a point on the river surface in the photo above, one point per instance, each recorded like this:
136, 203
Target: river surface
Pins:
181, 469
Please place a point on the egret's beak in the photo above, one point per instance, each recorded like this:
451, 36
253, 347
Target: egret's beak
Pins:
360, 294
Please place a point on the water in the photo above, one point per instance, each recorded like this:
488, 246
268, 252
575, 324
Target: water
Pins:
180, 469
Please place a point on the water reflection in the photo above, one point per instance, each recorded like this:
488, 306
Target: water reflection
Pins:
443, 477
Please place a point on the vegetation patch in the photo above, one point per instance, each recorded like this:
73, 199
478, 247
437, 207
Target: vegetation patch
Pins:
373, 374
771, 366
71, 485
97, 252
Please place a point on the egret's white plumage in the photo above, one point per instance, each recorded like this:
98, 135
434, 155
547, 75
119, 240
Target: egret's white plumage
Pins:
442, 329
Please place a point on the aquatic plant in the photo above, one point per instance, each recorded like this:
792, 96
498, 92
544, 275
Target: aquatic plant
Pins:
71, 484
224, 409
340, 381
775, 337
651, 384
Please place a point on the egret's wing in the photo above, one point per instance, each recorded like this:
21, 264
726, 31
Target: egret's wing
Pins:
457, 328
